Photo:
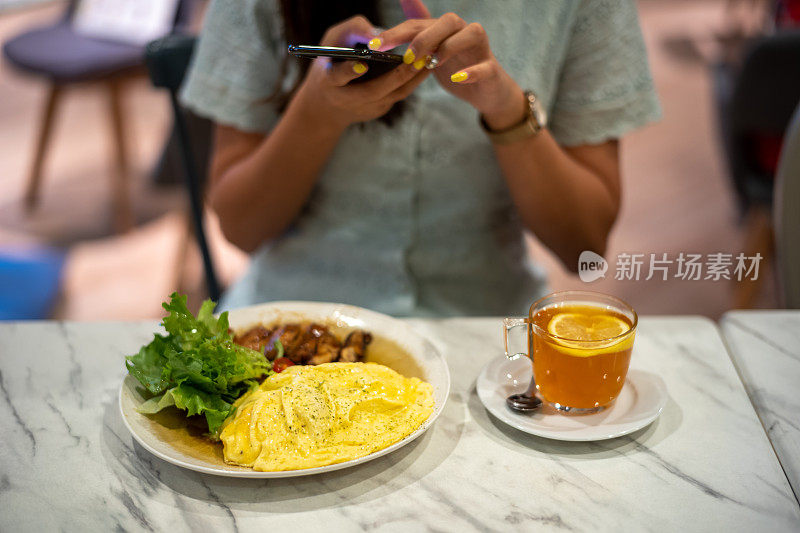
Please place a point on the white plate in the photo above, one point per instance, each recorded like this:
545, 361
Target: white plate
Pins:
639, 403
171, 441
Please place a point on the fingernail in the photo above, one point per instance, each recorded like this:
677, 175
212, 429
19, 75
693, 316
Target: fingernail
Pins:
418, 64
374, 44
459, 76
359, 68
408, 57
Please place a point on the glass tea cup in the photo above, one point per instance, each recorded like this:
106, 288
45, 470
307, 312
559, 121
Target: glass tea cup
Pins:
580, 345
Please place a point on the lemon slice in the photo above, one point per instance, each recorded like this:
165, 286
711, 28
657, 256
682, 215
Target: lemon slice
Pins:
574, 329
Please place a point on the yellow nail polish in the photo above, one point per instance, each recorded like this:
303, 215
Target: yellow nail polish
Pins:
459, 76
359, 68
374, 44
408, 57
418, 64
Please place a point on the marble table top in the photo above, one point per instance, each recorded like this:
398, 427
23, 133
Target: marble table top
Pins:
67, 462
765, 347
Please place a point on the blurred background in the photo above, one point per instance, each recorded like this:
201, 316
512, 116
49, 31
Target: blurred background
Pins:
95, 217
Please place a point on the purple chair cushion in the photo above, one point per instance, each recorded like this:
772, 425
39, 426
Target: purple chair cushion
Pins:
58, 52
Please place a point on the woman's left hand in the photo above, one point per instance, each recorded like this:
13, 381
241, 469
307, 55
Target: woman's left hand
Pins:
467, 68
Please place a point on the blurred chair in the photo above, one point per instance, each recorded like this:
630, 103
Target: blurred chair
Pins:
65, 56
167, 61
787, 215
756, 101
30, 277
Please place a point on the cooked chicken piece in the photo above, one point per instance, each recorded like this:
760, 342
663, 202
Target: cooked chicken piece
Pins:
328, 347
355, 347
291, 337
305, 351
308, 349
317, 330
312, 344
254, 338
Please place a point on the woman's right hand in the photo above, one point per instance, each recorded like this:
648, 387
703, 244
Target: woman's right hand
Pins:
327, 94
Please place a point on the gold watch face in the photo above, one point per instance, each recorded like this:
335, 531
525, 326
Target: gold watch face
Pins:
540, 114
538, 111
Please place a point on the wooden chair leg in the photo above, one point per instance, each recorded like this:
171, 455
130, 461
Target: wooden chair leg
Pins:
45, 131
759, 238
123, 215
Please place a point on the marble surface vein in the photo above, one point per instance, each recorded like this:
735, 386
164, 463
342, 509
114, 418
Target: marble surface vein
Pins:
765, 348
68, 463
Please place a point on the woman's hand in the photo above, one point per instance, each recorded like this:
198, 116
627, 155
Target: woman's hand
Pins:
541, 176
327, 93
253, 174
467, 67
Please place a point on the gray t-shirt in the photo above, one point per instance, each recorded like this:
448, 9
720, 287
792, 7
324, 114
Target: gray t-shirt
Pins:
416, 219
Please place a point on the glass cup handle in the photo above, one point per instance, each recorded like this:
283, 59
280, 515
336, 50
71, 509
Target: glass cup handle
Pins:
508, 325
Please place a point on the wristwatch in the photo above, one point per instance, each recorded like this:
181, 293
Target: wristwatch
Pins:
535, 119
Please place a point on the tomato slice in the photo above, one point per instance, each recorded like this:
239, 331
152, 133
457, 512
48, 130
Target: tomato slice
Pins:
281, 364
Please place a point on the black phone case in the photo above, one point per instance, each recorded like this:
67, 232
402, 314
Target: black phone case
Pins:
378, 63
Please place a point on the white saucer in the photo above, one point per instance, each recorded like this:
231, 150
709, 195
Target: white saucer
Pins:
640, 402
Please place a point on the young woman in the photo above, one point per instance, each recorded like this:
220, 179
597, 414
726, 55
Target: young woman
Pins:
409, 193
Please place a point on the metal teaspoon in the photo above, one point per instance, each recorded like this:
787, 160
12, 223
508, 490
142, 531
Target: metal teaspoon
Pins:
525, 402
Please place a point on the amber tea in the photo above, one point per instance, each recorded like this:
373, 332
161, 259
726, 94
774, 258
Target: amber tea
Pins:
580, 343
583, 358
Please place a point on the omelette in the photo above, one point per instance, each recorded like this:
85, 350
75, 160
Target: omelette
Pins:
310, 416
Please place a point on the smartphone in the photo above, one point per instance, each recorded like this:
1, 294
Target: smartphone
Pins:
378, 62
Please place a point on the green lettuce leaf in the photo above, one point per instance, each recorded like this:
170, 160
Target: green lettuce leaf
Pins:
196, 366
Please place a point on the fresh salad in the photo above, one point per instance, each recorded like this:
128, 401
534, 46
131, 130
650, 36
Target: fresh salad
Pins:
196, 366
